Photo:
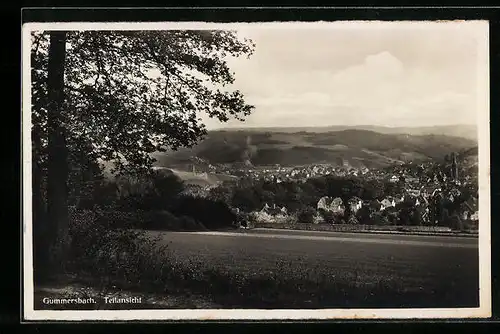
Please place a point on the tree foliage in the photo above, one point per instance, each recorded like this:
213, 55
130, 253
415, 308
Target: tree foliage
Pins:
117, 97
306, 215
131, 93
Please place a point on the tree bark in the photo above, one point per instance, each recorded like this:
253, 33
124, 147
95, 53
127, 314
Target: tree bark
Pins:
40, 247
57, 153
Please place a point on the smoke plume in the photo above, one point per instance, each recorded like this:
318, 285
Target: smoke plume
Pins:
249, 151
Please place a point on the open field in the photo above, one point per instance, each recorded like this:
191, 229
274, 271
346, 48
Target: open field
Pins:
265, 269
422, 271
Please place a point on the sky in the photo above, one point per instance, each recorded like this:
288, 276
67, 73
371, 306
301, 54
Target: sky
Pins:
392, 74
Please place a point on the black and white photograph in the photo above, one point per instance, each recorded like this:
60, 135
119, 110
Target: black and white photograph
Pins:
256, 171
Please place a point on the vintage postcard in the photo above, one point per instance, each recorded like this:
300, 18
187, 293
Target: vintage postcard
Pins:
256, 171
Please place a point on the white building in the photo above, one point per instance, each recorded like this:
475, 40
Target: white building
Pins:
387, 203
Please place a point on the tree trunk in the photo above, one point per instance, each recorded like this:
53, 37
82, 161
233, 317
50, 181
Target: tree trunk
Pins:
57, 154
40, 247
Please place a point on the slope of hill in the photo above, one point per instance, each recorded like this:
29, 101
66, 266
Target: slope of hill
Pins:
199, 179
469, 157
459, 130
352, 146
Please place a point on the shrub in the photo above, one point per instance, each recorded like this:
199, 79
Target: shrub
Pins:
123, 258
380, 219
92, 240
189, 224
154, 191
221, 193
306, 215
352, 220
148, 220
167, 186
97, 193
328, 217
364, 215
392, 219
252, 217
212, 214
162, 220
112, 218
455, 223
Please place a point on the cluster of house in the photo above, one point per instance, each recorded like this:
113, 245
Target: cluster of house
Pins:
418, 198
409, 174
280, 174
272, 214
337, 206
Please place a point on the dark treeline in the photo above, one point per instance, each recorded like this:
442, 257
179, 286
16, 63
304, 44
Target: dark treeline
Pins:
252, 195
301, 199
153, 200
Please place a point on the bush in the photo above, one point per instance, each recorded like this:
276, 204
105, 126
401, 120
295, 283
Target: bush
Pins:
455, 223
189, 224
122, 258
161, 220
328, 217
352, 220
155, 191
211, 214
97, 193
380, 219
392, 219
306, 215
364, 215
112, 218
149, 220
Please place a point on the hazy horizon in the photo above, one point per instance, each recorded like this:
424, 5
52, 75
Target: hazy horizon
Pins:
235, 127
392, 75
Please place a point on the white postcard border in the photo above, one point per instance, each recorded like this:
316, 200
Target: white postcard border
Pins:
483, 311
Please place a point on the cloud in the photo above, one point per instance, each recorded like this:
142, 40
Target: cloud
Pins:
391, 77
316, 99
443, 108
381, 66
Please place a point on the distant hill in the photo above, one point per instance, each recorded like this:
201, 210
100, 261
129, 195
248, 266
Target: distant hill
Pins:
354, 147
469, 152
458, 130
469, 157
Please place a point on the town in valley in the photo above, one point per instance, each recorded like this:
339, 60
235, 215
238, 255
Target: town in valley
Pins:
387, 195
